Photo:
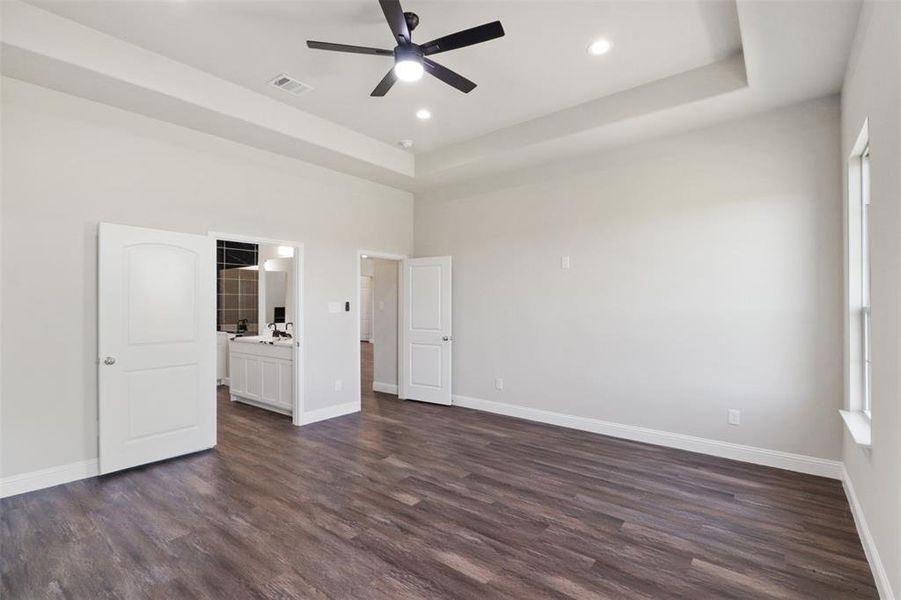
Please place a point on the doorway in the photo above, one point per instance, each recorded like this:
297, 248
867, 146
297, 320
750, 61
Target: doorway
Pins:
415, 358
378, 308
259, 323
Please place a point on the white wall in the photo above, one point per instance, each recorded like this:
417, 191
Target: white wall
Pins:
77, 163
384, 321
706, 275
871, 90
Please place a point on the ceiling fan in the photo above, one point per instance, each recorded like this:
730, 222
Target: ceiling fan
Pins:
411, 60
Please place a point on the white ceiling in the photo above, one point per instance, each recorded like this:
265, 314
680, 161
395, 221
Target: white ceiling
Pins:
539, 67
541, 100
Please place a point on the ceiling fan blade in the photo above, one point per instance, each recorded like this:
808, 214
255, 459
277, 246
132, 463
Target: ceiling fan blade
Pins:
447, 76
394, 14
467, 37
345, 48
385, 84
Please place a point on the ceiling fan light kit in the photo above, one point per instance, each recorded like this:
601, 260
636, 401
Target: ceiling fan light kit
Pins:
411, 60
408, 63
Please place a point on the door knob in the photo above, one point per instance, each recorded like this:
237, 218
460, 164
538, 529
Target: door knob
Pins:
109, 360
447, 338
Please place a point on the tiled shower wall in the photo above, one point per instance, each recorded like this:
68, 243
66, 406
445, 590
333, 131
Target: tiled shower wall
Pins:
238, 287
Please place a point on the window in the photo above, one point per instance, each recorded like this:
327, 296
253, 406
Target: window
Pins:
865, 318
858, 351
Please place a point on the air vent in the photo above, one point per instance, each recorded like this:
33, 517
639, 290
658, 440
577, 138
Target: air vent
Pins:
290, 85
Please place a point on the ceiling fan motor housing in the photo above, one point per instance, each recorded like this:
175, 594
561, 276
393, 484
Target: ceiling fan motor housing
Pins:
412, 52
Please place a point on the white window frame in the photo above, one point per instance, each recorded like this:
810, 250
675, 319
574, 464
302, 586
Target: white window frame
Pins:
866, 403
858, 351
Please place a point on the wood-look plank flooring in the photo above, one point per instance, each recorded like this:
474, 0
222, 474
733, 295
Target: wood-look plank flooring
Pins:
412, 500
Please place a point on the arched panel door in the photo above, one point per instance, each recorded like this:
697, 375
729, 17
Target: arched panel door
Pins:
157, 347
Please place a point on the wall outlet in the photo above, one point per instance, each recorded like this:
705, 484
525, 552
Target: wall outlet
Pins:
338, 385
564, 262
734, 416
498, 384
334, 307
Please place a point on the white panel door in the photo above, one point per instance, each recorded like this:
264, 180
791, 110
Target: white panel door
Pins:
426, 329
157, 345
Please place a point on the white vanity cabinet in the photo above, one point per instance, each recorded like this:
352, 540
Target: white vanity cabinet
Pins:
262, 374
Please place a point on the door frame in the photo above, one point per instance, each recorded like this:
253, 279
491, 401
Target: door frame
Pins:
299, 349
399, 258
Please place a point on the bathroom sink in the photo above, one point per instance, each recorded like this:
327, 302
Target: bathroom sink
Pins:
259, 339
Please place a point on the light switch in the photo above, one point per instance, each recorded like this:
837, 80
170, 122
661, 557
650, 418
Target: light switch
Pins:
381, 306
564, 262
334, 307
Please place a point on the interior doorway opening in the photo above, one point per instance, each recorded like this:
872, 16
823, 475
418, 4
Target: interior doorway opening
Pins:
378, 304
259, 323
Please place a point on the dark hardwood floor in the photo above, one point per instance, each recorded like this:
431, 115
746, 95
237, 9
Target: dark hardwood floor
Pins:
412, 500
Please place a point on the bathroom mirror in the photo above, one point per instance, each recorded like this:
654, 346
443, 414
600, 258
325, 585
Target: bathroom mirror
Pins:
276, 296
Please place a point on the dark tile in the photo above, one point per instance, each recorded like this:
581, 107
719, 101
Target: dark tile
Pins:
229, 301
228, 286
248, 288
228, 316
240, 246
240, 257
247, 303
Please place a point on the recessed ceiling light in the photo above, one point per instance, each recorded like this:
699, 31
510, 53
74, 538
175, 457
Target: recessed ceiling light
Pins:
423, 114
599, 46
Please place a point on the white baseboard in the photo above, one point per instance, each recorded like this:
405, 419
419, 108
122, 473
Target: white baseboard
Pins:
385, 388
751, 454
866, 539
38, 480
329, 412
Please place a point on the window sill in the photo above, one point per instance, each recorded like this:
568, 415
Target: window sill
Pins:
858, 426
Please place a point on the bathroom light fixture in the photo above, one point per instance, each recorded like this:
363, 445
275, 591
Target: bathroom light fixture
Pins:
423, 114
599, 46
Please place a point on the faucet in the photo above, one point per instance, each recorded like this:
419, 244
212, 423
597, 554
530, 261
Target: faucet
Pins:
241, 327
277, 333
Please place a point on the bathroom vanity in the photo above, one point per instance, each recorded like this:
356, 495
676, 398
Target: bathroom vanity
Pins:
261, 372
